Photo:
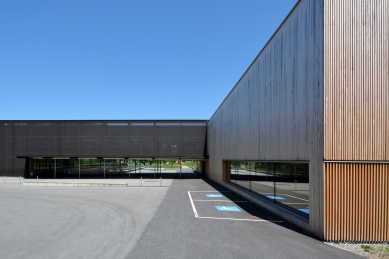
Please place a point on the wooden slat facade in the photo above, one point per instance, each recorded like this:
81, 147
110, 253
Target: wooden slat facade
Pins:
275, 111
357, 202
319, 91
356, 114
356, 76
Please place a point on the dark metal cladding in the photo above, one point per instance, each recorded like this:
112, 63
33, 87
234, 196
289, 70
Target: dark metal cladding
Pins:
98, 139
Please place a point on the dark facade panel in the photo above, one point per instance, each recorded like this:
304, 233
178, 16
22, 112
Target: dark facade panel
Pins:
91, 139
275, 111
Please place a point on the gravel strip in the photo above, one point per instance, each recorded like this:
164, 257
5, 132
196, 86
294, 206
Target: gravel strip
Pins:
357, 249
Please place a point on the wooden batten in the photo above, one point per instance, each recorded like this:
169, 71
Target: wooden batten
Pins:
275, 111
356, 76
356, 202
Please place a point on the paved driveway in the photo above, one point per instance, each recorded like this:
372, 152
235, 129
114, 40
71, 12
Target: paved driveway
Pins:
176, 232
189, 219
74, 222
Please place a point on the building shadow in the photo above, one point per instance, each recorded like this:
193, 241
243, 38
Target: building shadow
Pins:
256, 211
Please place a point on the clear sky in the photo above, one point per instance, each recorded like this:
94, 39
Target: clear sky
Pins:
149, 59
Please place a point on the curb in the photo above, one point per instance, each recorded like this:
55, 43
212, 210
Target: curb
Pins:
48, 184
78, 184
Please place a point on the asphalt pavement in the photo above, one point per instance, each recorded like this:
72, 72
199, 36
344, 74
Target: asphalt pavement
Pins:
176, 232
74, 222
192, 218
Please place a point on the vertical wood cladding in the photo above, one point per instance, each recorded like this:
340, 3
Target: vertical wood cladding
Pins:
268, 114
357, 202
275, 111
356, 76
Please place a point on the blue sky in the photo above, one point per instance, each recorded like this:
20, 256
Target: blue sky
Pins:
171, 59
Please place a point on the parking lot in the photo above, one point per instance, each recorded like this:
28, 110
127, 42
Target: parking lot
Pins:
192, 218
224, 205
74, 222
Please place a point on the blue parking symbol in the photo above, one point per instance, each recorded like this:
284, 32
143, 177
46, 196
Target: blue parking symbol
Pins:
304, 210
228, 208
214, 195
275, 197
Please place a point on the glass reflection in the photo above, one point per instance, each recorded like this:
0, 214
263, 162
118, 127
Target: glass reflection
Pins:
112, 168
234, 171
243, 174
286, 184
262, 182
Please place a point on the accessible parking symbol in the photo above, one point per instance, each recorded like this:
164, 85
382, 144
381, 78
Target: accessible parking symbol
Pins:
305, 210
275, 197
214, 195
228, 208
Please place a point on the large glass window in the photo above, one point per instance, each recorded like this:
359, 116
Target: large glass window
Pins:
243, 174
91, 167
113, 168
286, 184
41, 167
262, 181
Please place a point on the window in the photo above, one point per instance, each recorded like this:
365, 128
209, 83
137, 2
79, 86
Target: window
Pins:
286, 184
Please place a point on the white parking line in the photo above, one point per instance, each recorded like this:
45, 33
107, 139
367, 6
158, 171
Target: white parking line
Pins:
285, 195
294, 197
193, 206
197, 215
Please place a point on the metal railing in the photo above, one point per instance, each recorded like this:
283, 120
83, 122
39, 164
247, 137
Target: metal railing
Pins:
12, 180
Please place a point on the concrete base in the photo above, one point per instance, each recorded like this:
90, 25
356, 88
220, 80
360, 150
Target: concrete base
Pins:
98, 182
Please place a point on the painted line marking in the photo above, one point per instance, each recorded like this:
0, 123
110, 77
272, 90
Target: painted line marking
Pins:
197, 216
223, 201
210, 195
295, 197
286, 195
260, 220
228, 208
209, 191
193, 206
305, 210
